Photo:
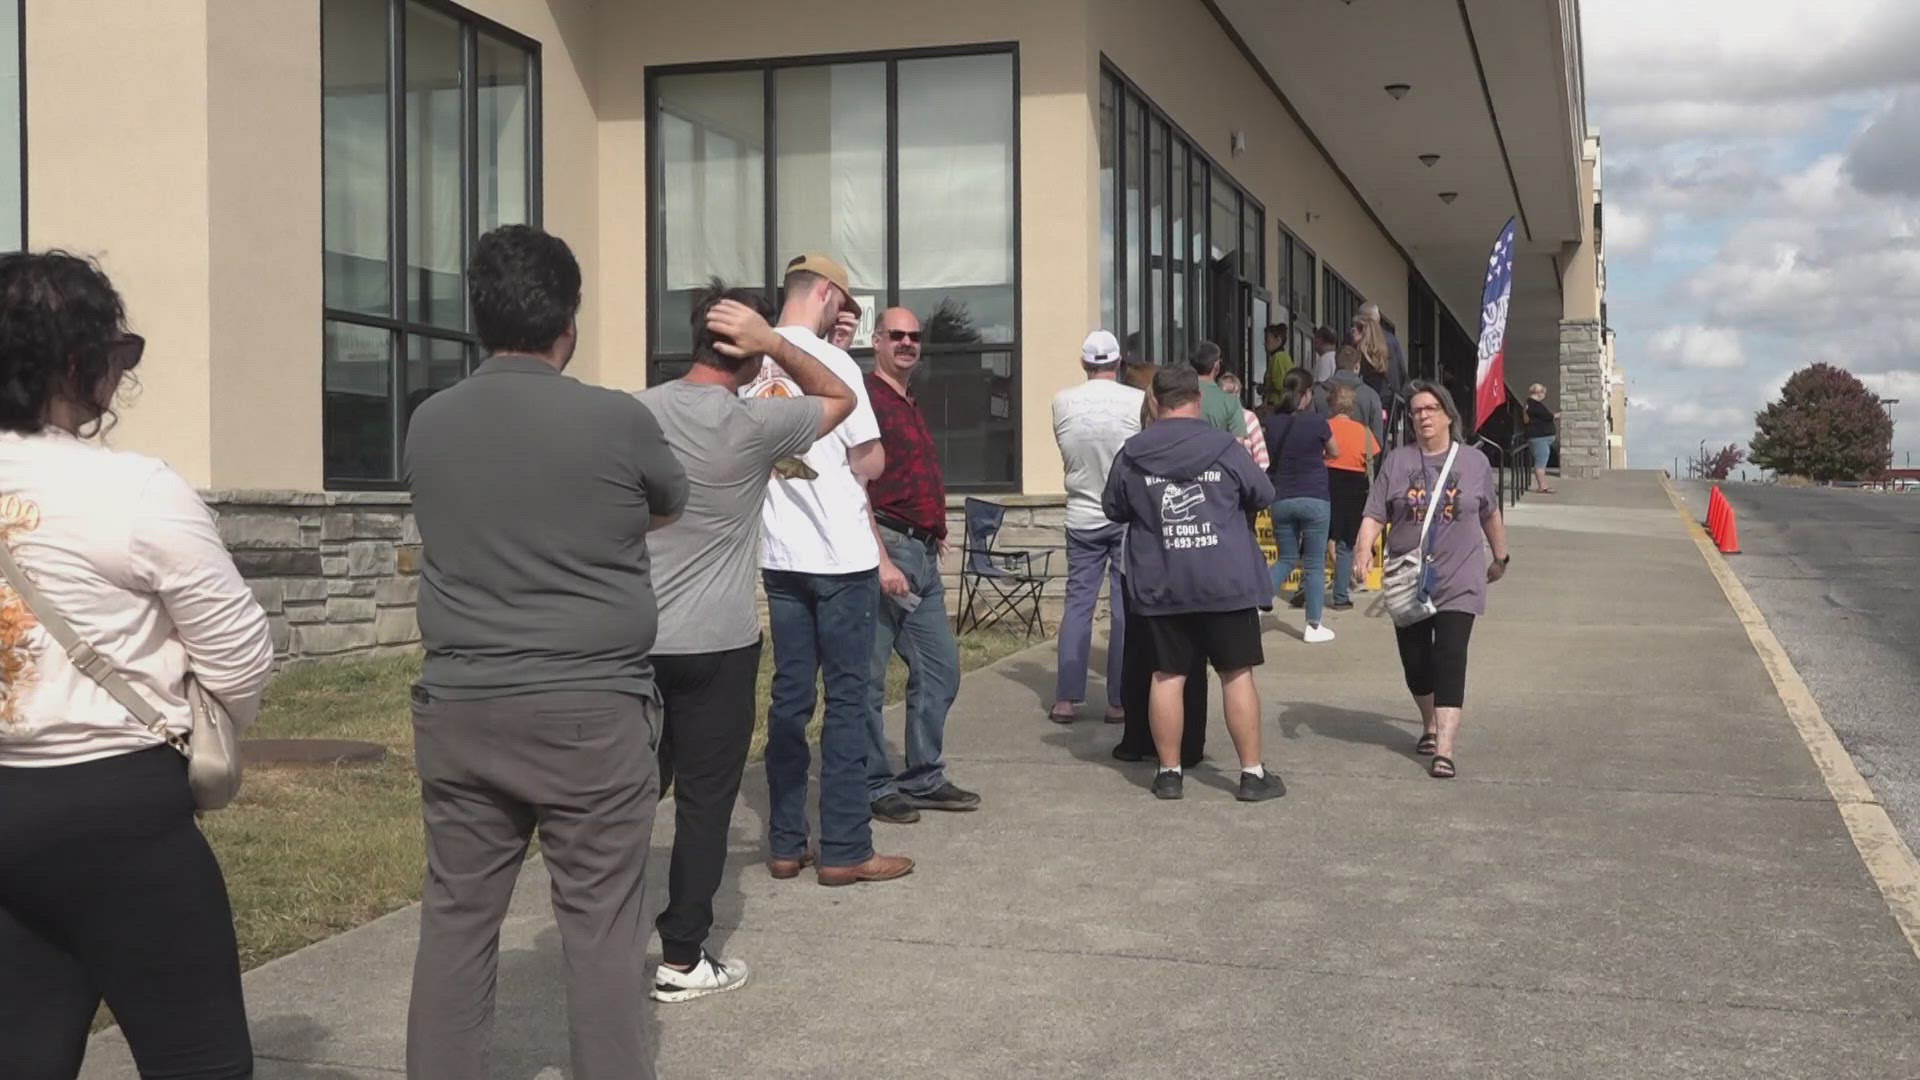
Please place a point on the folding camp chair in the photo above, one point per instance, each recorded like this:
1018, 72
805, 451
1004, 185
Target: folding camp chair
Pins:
996, 583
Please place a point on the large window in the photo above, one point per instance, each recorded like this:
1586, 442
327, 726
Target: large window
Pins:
430, 121
1183, 252
1297, 291
900, 165
13, 127
1343, 302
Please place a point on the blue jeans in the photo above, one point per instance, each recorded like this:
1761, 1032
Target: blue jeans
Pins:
924, 639
1342, 572
1303, 521
1542, 448
822, 626
1091, 554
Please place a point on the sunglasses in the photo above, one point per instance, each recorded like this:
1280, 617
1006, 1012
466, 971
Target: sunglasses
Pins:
125, 353
903, 335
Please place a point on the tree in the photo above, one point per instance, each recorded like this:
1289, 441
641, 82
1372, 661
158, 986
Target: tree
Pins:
1718, 464
1826, 426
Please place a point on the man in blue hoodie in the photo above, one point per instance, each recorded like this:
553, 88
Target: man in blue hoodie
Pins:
1185, 490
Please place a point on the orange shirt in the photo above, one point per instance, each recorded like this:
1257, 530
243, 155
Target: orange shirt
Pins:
1352, 435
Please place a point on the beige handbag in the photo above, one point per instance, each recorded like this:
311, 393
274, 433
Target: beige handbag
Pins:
212, 749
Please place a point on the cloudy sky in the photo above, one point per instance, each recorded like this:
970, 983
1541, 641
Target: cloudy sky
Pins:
1762, 183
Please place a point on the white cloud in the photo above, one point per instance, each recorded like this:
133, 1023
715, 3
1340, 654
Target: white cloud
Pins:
1762, 178
1629, 232
1709, 347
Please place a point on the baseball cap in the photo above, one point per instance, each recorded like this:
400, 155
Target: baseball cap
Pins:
827, 268
1100, 349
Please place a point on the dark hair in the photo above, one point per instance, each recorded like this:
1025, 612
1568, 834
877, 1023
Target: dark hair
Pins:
798, 283
1297, 381
1176, 385
1324, 335
1206, 357
60, 320
525, 288
1440, 394
703, 338
1277, 329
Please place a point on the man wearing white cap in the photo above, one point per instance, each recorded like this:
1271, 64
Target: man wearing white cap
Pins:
1090, 421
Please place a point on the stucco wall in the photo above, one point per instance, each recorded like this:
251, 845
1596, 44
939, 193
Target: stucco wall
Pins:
1179, 56
117, 168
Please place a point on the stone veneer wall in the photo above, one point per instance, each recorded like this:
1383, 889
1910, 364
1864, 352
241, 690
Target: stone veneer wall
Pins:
338, 573
1583, 399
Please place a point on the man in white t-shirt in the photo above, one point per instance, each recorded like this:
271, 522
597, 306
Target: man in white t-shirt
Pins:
820, 564
1090, 421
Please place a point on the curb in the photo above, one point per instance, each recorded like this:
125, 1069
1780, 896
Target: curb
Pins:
1887, 857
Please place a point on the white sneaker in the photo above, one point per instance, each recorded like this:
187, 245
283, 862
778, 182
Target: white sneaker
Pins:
1317, 634
711, 975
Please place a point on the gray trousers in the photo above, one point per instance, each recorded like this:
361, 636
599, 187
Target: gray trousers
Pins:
1091, 554
580, 767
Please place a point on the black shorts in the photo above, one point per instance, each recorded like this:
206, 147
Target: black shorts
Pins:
1229, 640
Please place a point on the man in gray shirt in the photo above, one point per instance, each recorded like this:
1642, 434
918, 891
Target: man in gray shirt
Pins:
705, 567
536, 704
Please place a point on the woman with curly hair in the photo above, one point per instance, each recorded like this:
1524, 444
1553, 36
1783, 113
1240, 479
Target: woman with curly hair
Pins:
107, 888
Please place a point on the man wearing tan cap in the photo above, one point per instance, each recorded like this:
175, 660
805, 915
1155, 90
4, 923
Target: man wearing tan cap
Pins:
819, 561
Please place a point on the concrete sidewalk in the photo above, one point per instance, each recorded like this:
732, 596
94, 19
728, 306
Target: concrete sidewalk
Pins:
1639, 873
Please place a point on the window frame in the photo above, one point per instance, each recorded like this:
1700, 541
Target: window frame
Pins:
1303, 324
1202, 170
1329, 279
662, 365
20, 45
399, 327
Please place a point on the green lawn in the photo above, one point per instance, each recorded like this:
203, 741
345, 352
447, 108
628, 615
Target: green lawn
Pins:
314, 851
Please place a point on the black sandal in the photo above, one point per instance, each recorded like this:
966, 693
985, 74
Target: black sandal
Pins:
1427, 745
1442, 768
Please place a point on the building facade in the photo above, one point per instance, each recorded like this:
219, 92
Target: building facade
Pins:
286, 192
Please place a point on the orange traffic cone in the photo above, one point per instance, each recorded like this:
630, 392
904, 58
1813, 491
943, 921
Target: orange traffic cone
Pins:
1729, 535
1716, 504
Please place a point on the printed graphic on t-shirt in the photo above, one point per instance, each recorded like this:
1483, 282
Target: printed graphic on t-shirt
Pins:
1180, 503
1417, 499
17, 623
774, 382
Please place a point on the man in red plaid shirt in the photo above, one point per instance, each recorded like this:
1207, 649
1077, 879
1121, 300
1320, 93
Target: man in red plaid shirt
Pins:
909, 502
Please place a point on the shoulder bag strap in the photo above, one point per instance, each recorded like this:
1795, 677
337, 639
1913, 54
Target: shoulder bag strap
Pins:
1433, 497
85, 657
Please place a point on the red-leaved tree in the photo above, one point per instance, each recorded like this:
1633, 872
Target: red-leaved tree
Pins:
1719, 464
1826, 426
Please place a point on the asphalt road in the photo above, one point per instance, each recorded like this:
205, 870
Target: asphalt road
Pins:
1837, 574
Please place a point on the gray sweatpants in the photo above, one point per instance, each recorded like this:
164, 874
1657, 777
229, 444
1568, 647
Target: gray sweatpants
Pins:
581, 767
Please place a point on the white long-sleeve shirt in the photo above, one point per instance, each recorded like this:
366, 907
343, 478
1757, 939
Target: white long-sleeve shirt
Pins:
128, 553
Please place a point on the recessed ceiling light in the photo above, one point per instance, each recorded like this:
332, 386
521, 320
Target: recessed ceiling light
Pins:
1429, 160
1398, 90
1449, 196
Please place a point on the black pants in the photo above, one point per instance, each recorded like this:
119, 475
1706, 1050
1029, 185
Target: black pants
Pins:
108, 890
1136, 685
710, 700
1433, 652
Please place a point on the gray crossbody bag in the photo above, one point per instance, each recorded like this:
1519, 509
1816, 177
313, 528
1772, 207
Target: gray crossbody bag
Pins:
212, 749
1404, 586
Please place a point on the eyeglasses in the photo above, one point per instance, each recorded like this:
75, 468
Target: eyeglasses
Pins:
903, 335
125, 353
1427, 410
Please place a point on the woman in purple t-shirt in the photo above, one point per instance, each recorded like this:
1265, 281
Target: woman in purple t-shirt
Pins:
1433, 652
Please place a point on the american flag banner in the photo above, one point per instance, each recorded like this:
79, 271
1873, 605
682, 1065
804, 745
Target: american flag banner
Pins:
1490, 382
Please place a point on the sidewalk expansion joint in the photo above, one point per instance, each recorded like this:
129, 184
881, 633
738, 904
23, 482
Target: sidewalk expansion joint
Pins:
1888, 860
1342, 973
318, 1064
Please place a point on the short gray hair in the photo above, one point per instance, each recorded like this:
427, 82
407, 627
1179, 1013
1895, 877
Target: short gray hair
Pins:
1427, 386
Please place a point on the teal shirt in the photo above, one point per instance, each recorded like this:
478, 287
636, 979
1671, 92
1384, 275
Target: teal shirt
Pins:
1223, 410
